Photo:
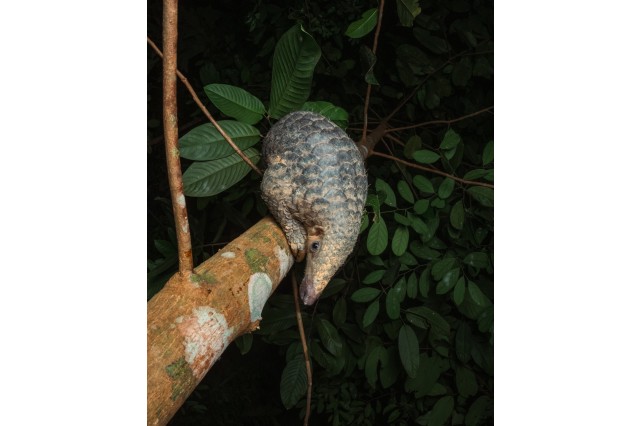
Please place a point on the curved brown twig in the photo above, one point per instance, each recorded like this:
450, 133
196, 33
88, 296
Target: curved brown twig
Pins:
206, 112
375, 47
432, 170
305, 350
435, 122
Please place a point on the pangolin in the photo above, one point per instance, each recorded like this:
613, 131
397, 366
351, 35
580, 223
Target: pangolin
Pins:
315, 185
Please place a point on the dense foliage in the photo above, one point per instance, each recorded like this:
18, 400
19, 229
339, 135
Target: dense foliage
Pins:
404, 333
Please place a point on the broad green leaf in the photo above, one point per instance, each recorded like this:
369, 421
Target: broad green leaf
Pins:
206, 143
293, 383
294, 60
477, 411
441, 267
476, 294
400, 240
476, 174
389, 370
329, 336
413, 144
402, 220
458, 291
409, 350
441, 411
374, 202
463, 342
340, 312
423, 184
405, 191
244, 343
421, 206
423, 283
336, 114
466, 382
371, 366
371, 313
438, 203
482, 194
412, 286
450, 140
419, 226
457, 215
487, 154
423, 251
433, 318
407, 259
461, 72
235, 102
477, 259
426, 156
407, 11
446, 188
364, 224
373, 277
436, 45
365, 294
390, 196
393, 300
448, 281
378, 237
204, 179
363, 26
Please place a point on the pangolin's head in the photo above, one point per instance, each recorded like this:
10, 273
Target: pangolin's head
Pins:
327, 249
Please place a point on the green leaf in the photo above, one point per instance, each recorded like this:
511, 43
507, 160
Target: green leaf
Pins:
293, 383
340, 312
441, 267
409, 350
371, 366
487, 154
477, 259
206, 143
482, 194
412, 286
450, 140
476, 294
441, 411
466, 382
413, 144
456, 216
400, 241
433, 318
446, 188
461, 73
390, 196
407, 11
363, 26
378, 237
369, 58
329, 336
212, 177
371, 313
393, 300
423, 184
421, 206
426, 156
477, 411
336, 114
402, 220
235, 102
458, 291
373, 277
463, 342
365, 294
423, 283
448, 281
419, 226
405, 191
244, 343
436, 45
294, 60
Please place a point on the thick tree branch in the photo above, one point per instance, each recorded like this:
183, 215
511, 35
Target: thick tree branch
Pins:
191, 322
207, 114
170, 122
431, 170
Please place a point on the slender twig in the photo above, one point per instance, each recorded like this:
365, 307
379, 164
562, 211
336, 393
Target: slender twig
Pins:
432, 170
305, 350
206, 112
375, 47
170, 123
435, 122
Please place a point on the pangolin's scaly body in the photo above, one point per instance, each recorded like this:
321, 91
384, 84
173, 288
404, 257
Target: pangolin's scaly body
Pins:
315, 186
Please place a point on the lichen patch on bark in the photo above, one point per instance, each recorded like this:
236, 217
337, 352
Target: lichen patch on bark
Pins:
285, 258
206, 335
259, 289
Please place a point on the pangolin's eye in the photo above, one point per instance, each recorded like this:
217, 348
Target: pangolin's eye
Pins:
315, 246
